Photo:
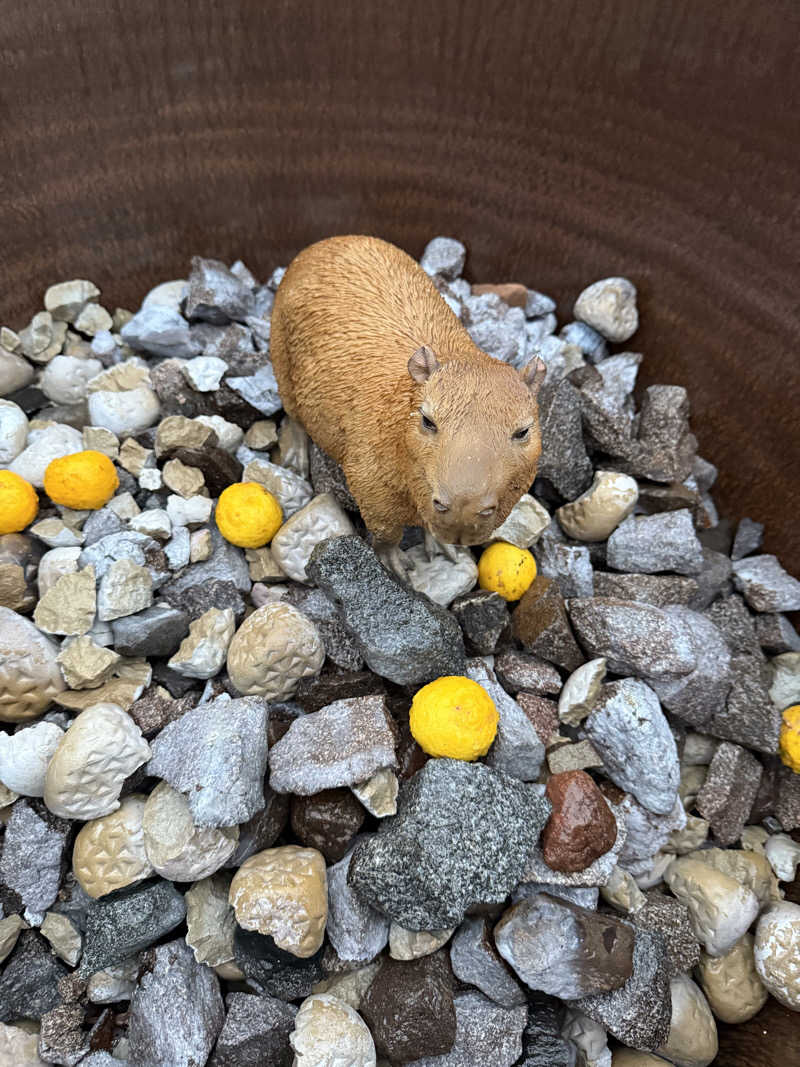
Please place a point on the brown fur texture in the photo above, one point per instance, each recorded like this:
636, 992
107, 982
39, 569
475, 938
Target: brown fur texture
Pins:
348, 316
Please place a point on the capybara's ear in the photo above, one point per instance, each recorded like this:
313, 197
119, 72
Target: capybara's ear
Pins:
533, 375
423, 364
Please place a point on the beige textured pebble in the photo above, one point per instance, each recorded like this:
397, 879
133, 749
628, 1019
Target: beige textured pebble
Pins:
19, 1048
720, 909
99, 439
109, 852
10, 929
749, 869
273, 650
134, 458
202, 653
293, 544
24, 757
176, 431
692, 1040
86, 665
525, 523
125, 589
69, 606
98, 752
328, 1033
283, 892
731, 983
379, 793
29, 674
210, 921
64, 936
777, 952
580, 692
630, 1057
596, 513
178, 849
411, 944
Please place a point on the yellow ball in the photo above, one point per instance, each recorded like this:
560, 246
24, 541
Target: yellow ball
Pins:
248, 515
506, 569
84, 481
790, 738
454, 717
18, 503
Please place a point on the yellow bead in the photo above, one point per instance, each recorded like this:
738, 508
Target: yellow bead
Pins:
506, 569
84, 481
454, 717
247, 515
790, 738
18, 503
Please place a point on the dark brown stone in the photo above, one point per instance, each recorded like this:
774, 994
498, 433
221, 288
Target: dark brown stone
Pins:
409, 1008
542, 714
316, 693
220, 469
540, 622
152, 711
581, 826
673, 497
327, 821
195, 600
264, 828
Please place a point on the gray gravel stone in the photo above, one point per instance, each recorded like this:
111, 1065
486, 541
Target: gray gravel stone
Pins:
483, 618
402, 636
256, 1031
517, 671
736, 625
226, 564
657, 589
340, 646
537, 304
29, 982
100, 524
161, 331
634, 638
216, 754
694, 696
445, 257
647, 833
583, 896
665, 449
564, 462
628, 729
485, 1034
517, 749
727, 794
569, 565
126, 922
651, 543
128, 545
749, 535
607, 403
461, 836
593, 345
475, 960
668, 917
176, 1010
272, 972
497, 328
33, 853
542, 1043
157, 631
713, 580
749, 717
215, 294
765, 585
776, 634
260, 390
328, 477
357, 931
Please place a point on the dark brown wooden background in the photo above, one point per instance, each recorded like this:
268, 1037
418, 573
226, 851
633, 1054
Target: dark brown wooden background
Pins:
561, 141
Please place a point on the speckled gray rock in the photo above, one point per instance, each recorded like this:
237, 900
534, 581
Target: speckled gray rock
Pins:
749, 535
485, 1033
475, 960
584, 896
664, 450
176, 1010
272, 972
609, 306
564, 462
357, 931
216, 754
593, 345
162, 331
651, 543
517, 749
402, 637
776, 634
569, 565
226, 563
496, 328
628, 729
658, 589
215, 294
29, 982
120, 925
445, 257
542, 1041
765, 585
728, 792
634, 638
670, 918
749, 716
157, 631
483, 617
714, 579
256, 1031
647, 833
259, 390
33, 853
564, 950
639, 1013
461, 836
517, 671
694, 696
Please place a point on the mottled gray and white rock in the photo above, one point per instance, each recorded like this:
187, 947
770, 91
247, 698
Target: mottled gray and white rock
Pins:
518, 670
485, 1033
729, 790
777, 951
569, 565
260, 390
29, 981
497, 328
564, 462
357, 931
783, 854
176, 1010
202, 654
256, 1030
33, 852
517, 749
162, 331
124, 589
628, 729
651, 543
647, 834
784, 680
694, 696
765, 585
124, 923
216, 754
475, 960
609, 306
445, 257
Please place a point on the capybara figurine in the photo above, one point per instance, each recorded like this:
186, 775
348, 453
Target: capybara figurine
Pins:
429, 430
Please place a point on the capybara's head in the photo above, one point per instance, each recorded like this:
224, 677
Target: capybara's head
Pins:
473, 441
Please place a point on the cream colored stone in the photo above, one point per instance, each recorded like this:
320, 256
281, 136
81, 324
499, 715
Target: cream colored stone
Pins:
134, 457
273, 650
748, 868
283, 892
7, 798
200, 546
692, 778
720, 909
102, 747
151, 479
327, 1032
154, 522
263, 567
64, 936
86, 665
595, 514
411, 944
176, 431
261, 435
178, 849
69, 606
42, 338
99, 439
754, 839
189, 511
109, 852
202, 653
580, 691
379, 793
181, 479
56, 534
690, 838
441, 576
622, 892
134, 676
29, 674
525, 524
692, 1040
731, 983
14, 590
293, 544
125, 589
19, 1047
589, 1036
210, 920
777, 952
122, 377
630, 1057
698, 749
783, 855
10, 929
124, 506
92, 319
24, 757
56, 563
351, 986
229, 435
125, 413
66, 300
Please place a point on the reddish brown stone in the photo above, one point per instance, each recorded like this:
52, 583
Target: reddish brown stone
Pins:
581, 827
513, 293
540, 623
316, 693
542, 713
327, 821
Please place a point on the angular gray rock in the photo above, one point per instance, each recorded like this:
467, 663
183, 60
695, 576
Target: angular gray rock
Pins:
593, 345
445, 257
668, 917
129, 545
517, 671
496, 328
564, 462
402, 636
161, 331
765, 585
748, 538
485, 1034
749, 717
215, 294
694, 696
260, 390
461, 836
651, 543
216, 754
256, 1031
628, 729
226, 564
664, 450
29, 982
157, 631
713, 580
483, 617
517, 749
476, 961
176, 1010
727, 795
33, 853
569, 565
647, 833
542, 1043
657, 589
124, 923
357, 931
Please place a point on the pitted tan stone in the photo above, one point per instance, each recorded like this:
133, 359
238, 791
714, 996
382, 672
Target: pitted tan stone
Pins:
109, 852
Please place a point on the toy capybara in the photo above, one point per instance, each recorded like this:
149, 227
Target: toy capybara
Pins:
429, 430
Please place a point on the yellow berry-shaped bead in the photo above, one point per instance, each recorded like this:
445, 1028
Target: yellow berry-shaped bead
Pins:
248, 515
790, 738
506, 569
84, 481
454, 717
18, 503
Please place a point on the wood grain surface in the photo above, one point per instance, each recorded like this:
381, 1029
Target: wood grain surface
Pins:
561, 141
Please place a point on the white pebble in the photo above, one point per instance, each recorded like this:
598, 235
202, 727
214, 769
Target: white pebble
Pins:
155, 522
168, 294
610, 307
125, 413
24, 757
13, 431
782, 852
327, 1032
193, 511
204, 373
43, 447
55, 564
151, 478
777, 952
65, 378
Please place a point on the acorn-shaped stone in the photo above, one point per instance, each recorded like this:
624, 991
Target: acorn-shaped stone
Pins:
109, 852
272, 650
29, 676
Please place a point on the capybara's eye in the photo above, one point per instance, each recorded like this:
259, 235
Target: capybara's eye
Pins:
428, 424
521, 435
